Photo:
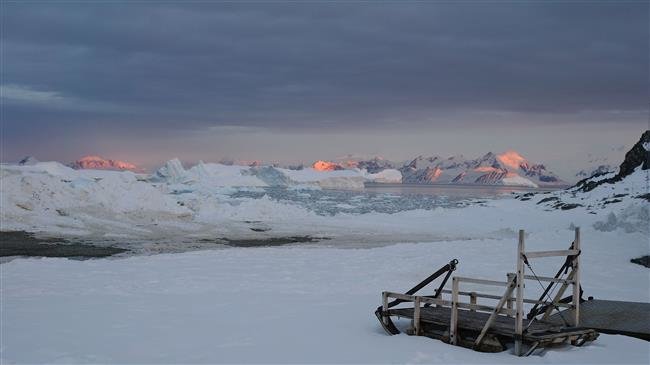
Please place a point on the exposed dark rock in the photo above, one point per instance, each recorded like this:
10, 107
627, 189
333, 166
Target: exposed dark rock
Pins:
612, 201
260, 229
28, 161
643, 261
375, 165
549, 199
635, 157
645, 196
569, 206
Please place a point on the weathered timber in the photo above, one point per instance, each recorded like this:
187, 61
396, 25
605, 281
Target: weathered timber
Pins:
487, 327
613, 317
434, 322
536, 254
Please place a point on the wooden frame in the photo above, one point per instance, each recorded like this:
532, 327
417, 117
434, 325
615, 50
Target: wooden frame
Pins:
513, 295
573, 279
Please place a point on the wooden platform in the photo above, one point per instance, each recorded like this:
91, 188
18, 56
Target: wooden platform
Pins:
472, 322
613, 317
456, 317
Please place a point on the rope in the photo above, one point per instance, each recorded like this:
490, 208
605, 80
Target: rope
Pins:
547, 295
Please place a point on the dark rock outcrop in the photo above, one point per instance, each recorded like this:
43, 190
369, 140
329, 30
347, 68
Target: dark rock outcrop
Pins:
639, 155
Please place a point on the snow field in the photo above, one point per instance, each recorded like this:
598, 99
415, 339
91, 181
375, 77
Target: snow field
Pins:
279, 305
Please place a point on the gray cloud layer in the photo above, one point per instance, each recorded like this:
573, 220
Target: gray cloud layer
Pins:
145, 67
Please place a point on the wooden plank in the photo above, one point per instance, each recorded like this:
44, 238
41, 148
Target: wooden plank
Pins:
416, 316
497, 297
481, 281
610, 316
423, 299
547, 278
536, 254
509, 305
484, 308
519, 316
384, 307
474, 321
436, 301
454, 312
400, 296
472, 299
496, 310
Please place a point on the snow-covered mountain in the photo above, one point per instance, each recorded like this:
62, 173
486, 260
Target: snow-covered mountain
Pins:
596, 170
509, 168
598, 163
624, 191
99, 163
28, 161
637, 161
376, 165
370, 165
321, 165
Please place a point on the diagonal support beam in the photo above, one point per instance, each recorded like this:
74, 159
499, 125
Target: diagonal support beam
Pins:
497, 309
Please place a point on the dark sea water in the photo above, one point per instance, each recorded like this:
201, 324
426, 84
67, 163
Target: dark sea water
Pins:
382, 198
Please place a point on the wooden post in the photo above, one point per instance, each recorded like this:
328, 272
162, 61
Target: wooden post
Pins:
519, 318
576, 279
511, 299
416, 317
509, 306
510, 276
384, 307
472, 300
454, 313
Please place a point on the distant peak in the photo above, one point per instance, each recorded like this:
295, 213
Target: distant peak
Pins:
29, 160
94, 162
511, 159
321, 165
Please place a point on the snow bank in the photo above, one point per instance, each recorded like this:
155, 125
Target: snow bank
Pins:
517, 180
633, 218
52, 198
337, 179
48, 194
390, 176
212, 174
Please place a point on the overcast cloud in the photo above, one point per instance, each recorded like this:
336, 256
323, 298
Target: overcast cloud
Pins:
75, 70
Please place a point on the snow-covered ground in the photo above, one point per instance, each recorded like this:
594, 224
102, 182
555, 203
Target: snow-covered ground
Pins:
280, 305
294, 304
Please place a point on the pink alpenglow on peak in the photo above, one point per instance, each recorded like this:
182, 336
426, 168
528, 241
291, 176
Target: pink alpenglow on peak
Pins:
99, 163
512, 159
326, 166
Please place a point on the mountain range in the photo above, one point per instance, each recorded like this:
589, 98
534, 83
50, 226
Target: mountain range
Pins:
508, 168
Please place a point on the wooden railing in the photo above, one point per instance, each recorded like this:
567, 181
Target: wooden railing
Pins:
515, 282
572, 279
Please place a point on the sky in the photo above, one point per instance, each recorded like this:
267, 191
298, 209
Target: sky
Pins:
279, 81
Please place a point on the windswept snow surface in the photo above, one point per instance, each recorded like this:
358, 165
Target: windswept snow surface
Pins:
282, 305
390, 176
